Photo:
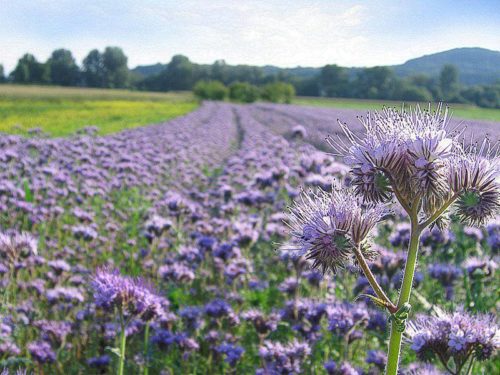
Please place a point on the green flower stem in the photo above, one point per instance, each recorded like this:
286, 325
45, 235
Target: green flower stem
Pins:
404, 297
123, 340
146, 350
373, 281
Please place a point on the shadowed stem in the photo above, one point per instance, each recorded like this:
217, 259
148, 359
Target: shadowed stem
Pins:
373, 281
404, 296
123, 340
146, 350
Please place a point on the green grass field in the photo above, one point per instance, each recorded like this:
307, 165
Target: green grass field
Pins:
458, 110
62, 111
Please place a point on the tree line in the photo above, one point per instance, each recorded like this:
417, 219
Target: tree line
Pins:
108, 69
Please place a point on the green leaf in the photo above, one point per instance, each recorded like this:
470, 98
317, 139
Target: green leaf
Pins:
28, 195
377, 301
115, 351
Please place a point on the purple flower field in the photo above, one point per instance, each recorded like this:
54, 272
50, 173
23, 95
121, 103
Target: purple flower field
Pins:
165, 250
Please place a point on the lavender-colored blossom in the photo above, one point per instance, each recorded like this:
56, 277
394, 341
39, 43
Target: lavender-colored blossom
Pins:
493, 231
59, 266
283, 359
474, 233
414, 153
454, 335
446, 274
191, 315
326, 227
343, 317
177, 272
131, 296
377, 358
233, 353
13, 245
421, 369
41, 352
218, 308
263, 324
64, 294
476, 266
84, 232
344, 368
53, 331
102, 361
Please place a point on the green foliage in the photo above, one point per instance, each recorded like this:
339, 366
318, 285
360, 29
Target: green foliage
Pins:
115, 68
401, 83
448, 81
334, 81
179, 74
63, 68
378, 82
278, 92
210, 90
483, 96
29, 70
413, 93
93, 69
108, 69
2, 74
243, 92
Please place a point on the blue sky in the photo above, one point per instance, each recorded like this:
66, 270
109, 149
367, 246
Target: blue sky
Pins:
284, 33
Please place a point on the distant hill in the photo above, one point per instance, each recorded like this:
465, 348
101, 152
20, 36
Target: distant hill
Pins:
476, 66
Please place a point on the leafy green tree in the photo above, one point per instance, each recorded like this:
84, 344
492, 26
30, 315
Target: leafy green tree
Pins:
93, 69
413, 93
63, 68
210, 90
29, 70
278, 92
116, 73
378, 82
307, 86
179, 73
2, 74
483, 96
243, 92
220, 71
427, 82
448, 82
334, 81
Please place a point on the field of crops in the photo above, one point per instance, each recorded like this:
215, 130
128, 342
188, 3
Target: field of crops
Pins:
195, 208
60, 111
459, 110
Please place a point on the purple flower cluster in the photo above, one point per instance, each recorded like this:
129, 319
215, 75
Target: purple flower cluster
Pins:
283, 359
131, 296
457, 335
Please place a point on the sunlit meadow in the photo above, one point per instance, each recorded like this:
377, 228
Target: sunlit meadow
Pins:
169, 249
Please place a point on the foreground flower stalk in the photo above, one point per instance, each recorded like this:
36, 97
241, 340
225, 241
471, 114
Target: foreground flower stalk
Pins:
408, 156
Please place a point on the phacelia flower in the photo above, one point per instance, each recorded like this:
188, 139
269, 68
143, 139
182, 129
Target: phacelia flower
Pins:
41, 352
413, 155
328, 227
232, 352
131, 295
283, 359
14, 245
454, 335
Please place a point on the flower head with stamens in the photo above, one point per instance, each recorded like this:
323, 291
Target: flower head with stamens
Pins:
475, 176
414, 155
327, 227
